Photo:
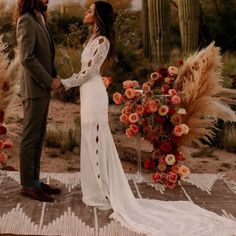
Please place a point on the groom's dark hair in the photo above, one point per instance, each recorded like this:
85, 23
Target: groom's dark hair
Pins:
26, 6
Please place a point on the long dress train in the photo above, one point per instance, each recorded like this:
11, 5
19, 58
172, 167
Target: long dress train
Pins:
104, 184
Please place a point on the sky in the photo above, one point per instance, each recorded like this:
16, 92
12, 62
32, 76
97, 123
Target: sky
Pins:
136, 4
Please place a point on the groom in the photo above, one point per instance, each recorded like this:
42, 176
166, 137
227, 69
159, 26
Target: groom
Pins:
39, 77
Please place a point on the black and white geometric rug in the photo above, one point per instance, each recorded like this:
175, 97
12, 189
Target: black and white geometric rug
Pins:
70, 217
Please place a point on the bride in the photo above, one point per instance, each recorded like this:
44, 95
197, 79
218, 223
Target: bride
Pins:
104, 184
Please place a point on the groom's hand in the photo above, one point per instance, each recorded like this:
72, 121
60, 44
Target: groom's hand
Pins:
55, 83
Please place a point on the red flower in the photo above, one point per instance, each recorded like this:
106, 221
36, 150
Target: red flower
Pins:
3, 130
159, 119
8, 143
156, 177
179, 156
166, 147
149, 164
181, 62
163, 72
165, 88
171, 111
2, 114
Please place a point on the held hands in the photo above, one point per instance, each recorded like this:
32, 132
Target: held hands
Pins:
56, 82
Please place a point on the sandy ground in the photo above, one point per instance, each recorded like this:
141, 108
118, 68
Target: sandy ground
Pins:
63, 114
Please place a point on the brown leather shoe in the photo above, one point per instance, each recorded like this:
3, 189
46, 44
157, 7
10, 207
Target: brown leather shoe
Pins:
38, 194
49, 190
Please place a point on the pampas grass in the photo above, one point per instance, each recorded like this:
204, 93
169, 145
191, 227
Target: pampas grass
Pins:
203, 94
9, 71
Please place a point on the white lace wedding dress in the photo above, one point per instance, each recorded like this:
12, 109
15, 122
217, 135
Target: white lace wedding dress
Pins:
104, 184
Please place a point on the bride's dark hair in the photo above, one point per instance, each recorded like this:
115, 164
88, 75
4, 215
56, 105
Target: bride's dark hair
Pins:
105, 17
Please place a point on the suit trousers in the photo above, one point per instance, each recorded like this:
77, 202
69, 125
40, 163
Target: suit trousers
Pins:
34, 129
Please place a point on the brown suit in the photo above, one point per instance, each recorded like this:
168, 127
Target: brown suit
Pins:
37, 52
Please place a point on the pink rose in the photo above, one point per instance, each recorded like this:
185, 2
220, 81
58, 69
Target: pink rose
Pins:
146, 87
175, 100
172, 92
156, 177
127, 84
171, 177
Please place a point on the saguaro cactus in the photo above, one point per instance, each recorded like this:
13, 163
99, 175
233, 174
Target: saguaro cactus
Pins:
159, 25
146, 43
189, 23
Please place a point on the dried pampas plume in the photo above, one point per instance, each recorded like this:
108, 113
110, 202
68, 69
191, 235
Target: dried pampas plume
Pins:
203, 95
8, 74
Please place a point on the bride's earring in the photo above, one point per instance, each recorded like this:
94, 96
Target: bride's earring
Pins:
96, 27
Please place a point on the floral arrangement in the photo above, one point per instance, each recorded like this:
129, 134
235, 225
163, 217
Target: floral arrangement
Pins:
154, 111
8, 74
175, 107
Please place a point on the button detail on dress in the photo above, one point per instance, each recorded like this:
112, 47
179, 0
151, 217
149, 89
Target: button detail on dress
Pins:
99, 176
97, 139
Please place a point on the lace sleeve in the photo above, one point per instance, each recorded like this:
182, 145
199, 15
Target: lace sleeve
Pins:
98, 55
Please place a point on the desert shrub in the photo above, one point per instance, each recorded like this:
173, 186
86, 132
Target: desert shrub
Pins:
65, 137
229, 137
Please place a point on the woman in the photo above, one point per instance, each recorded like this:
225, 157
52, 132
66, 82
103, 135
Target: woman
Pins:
104, 184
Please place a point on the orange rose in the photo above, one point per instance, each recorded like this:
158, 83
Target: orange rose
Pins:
178, 130
126, 110
175, 100
124, 119
129, 133
163, 110
184, 171
117, 98
175, 169
161, 166
135, 128
130, 93
107, 81
133, 117
152, 105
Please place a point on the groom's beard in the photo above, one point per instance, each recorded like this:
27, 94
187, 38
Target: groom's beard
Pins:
42, 7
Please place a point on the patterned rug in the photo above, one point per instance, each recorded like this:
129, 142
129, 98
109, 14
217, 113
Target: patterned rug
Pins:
70, 217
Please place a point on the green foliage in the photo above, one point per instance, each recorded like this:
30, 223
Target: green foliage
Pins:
67, 30
218, 23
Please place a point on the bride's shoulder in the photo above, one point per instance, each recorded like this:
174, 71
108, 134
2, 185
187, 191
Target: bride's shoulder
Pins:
102, 39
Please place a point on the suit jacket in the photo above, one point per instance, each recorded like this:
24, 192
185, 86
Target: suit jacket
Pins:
37, 53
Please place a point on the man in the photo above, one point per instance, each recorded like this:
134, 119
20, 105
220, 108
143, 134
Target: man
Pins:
37, 52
